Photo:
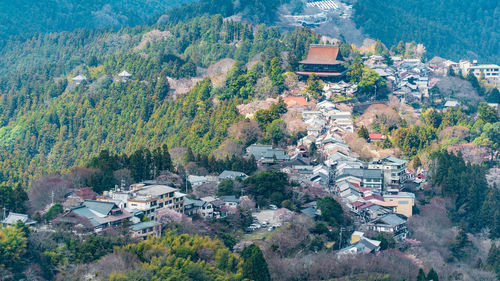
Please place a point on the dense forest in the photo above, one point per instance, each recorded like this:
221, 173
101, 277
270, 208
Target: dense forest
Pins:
452, 29
26, 17
43, 114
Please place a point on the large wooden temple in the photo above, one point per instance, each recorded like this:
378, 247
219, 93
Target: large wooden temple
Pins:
325, 61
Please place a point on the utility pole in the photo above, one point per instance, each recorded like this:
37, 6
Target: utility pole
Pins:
4, 212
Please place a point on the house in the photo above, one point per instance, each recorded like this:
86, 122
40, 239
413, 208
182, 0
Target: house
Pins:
79, 79
311, 114
202, 208
375, 137
451, 103
198, 180
362, 246
13, 218
310, 212
370, 210
356, 236
266, 154
292, 101
394, 169
390, 223
150, 198
403, 201
367, 178
143, 230
232, 175
230, 201
345, 124
117, 196
325, 61
486, 71
124, 75
94, 216
78, 196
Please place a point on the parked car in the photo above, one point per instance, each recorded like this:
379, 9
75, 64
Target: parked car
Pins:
273, 207
270, 228
249, 229
255, 226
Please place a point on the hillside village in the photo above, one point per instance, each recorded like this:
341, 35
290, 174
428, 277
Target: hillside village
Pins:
377, 193
319, 161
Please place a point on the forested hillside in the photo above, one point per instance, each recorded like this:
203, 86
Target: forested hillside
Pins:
28, 16
453, 29
48, 123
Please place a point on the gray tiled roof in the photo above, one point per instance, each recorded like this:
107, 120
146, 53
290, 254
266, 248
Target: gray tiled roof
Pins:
99, 206
363, 173
231, 175
391, 220
144, 225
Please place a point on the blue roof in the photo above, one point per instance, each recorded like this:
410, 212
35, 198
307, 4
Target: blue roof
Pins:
144, 225
99, 206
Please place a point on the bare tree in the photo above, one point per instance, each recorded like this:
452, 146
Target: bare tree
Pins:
46, 190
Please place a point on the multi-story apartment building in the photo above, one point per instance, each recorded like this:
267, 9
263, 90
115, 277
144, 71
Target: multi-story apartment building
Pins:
149, 198
394, 170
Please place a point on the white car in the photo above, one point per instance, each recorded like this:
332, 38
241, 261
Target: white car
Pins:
273, 207
270, 228
255, 226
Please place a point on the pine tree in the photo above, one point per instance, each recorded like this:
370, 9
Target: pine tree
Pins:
189, 156
421, 275
255, 266
363, 133
314, 87
460, 244
432, 275
276, 73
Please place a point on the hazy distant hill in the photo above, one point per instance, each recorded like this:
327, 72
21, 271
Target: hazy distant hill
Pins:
29, 16
449, 28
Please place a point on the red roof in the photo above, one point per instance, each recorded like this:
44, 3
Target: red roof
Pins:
290, 101
375, 136
366, 205
375, 197
86, 193
358, 203
355, 184
320, 74
323, 54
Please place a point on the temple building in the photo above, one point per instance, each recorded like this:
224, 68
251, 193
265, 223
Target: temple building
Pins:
325, 61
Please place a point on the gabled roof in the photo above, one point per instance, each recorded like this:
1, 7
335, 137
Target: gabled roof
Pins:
375, 136
232, 175
79, 78
100, 207
144, 225
391, 220
13, 218
310, 212
323, 54
124, 74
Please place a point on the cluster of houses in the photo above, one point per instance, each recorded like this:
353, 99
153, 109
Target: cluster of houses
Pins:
373, 191
339, 89
409, 78
135, 207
